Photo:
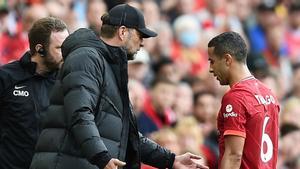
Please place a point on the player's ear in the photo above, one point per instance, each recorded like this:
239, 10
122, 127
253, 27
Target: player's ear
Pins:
228, 59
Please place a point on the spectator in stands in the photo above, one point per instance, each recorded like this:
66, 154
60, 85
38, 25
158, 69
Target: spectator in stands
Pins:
183, 103
14, 43
157, 111
94, 10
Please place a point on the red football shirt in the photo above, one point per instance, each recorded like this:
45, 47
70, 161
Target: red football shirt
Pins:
250, 110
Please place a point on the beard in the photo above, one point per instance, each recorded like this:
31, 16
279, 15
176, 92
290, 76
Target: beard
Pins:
52, 65
128, 48
130, 56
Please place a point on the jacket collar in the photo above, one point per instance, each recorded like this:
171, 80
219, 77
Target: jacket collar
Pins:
84, 37
115, 55
27, 64
30, 66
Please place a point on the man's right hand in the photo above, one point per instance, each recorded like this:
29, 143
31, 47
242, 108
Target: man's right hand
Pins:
114, 164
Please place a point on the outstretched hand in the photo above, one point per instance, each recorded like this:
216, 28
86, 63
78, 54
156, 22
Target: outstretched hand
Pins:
114, 164
188, 161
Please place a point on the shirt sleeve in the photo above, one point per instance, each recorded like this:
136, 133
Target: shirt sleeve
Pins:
233, 113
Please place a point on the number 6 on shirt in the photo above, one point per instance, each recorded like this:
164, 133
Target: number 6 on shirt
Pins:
266, 141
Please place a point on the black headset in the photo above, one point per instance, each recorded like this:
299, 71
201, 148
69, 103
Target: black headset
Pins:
42, 52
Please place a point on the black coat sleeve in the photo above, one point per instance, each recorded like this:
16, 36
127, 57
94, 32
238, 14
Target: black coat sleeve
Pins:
81, 81
154, 155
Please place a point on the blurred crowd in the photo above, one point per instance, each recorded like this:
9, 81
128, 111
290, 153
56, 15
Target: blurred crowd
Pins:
175, 99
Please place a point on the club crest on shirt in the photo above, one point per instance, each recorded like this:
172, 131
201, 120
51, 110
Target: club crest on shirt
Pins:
229, 112
228, 108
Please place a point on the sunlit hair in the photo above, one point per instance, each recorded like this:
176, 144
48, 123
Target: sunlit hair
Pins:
188, 127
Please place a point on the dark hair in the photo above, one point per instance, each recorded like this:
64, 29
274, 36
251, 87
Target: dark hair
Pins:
266, 7
41, 30
164, 60
231, 43
287, 128
107, 31
295, 67
163, 80
199, 94
294, 7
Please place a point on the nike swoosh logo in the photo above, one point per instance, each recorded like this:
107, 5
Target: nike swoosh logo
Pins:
19, 87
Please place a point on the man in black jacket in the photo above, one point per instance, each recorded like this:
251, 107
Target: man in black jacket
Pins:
24, 90
89, 123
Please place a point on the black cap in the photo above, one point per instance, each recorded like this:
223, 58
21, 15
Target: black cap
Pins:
130, 17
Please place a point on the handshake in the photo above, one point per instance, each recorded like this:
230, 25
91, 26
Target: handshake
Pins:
184, 161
